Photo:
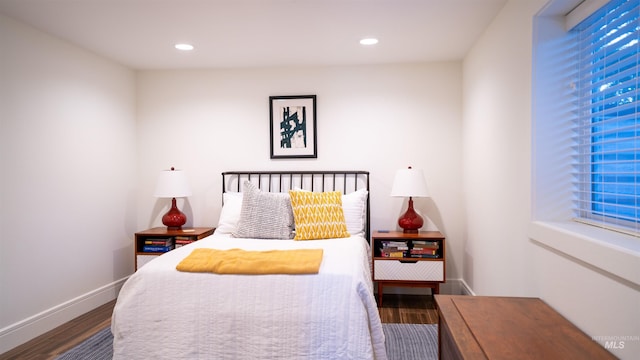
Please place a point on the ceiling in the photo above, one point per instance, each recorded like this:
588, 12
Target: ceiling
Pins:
261, 33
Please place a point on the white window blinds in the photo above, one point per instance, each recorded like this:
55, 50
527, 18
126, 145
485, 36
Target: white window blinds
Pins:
606, 173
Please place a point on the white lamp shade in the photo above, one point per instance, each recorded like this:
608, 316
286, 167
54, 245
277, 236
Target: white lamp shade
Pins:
409, 182
172, 184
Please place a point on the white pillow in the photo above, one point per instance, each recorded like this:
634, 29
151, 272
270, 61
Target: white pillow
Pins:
264, 215
230, 213
354, 206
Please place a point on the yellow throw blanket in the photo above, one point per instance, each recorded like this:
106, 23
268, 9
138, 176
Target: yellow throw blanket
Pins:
237, 261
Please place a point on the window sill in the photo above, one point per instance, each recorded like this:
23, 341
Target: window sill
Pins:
615, 253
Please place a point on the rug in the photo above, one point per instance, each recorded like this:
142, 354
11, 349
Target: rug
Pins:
411, 341
97, 347
403, 342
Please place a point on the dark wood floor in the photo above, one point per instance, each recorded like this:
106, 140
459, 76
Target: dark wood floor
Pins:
59, 340
404, 309
408, 309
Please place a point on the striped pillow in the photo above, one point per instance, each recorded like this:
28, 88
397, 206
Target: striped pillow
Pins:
264, 215
318, 215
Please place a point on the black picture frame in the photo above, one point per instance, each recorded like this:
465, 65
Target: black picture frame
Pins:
293, 126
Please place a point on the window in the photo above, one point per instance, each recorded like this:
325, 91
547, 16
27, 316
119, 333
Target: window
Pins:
555, 152
607, 171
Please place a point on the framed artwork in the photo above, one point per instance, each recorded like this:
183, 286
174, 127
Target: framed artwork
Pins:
293, 126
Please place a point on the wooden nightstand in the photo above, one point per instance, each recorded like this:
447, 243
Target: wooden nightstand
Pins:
156, 238
415, 260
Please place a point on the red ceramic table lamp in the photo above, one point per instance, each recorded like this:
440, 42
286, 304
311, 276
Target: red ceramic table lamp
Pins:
410, 183
172, 184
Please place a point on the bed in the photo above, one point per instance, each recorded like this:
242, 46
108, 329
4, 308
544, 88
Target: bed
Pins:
164, 313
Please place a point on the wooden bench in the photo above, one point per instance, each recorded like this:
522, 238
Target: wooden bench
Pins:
482, 327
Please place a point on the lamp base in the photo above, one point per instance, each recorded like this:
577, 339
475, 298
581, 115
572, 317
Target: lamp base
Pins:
174, 218
410, 231
410, 221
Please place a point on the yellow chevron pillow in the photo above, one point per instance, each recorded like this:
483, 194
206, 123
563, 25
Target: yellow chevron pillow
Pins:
318, 215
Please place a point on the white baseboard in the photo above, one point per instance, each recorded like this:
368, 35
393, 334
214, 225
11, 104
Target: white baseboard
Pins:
465, 289
19, 333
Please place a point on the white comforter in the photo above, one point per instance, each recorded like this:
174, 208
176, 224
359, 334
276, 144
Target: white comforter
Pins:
162, 313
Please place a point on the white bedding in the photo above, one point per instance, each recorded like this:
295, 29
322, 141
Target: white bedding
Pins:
162, 313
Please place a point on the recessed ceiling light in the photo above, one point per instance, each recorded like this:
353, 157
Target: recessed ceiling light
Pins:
369, 41
185, 47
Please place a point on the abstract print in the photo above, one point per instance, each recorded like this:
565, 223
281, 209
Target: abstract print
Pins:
293, 127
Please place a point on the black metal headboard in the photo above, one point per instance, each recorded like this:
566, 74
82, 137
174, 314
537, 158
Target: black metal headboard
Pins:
283, 181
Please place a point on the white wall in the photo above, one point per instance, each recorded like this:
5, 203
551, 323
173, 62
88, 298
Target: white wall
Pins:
67, 177
497, 153
499, 256
375, 118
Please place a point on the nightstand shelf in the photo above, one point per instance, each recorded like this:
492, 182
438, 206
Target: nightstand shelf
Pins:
160, 234
412, 260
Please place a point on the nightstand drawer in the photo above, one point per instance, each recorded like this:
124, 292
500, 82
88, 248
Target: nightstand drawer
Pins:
404, 270
143, 259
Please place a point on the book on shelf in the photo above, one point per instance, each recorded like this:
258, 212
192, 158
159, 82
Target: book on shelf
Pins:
393, 254
429, 256
394, 246
418, 248
159, 241
156, 248
183, 240
426, 244
424, 251
391, 243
